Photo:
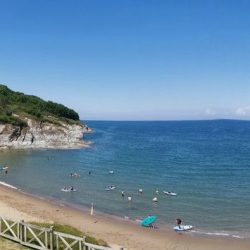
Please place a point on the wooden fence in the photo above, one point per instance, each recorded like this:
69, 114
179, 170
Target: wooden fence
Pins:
43, 238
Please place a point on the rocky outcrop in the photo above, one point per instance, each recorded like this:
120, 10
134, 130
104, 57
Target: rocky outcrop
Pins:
42, 135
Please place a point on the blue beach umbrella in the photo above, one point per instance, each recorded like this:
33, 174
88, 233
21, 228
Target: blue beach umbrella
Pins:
148, 221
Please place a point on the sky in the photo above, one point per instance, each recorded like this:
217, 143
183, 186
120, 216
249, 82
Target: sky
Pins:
131, 59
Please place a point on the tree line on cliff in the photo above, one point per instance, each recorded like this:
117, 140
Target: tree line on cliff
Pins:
15, 105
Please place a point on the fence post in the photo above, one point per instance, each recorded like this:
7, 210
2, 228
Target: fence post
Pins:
51, 238
21, 231
83, 243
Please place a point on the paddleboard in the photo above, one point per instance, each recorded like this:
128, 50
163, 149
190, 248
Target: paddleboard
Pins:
68, 190
155, 199
110, 188
169, 193
4, 168
183, 228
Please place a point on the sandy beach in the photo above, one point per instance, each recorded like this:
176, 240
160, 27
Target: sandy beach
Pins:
117, 232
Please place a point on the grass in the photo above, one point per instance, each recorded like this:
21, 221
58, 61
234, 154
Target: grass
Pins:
10, 245
73, 231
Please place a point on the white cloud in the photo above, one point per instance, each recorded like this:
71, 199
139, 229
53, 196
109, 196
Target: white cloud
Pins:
243, 111
210, 112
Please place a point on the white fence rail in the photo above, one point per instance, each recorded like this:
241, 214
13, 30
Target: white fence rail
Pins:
43, 238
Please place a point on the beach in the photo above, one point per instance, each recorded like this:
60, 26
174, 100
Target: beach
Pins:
116, 232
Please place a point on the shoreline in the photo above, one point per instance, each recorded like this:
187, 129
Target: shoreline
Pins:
165, 227
82, 144
115, 230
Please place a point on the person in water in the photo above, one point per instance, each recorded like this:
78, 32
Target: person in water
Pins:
140, 190
178, 222
72, 188
123, 194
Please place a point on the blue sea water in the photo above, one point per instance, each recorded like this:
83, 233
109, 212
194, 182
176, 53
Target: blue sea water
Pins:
207, 163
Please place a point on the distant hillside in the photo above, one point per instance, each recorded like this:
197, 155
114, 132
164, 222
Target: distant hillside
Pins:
14, 106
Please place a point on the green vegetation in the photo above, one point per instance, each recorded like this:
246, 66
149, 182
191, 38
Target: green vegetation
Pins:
10, 245
15, 103
73, 231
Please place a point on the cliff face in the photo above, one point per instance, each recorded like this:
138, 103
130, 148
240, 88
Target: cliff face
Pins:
42, 135
27, 121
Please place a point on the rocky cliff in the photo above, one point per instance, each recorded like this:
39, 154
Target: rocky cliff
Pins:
42, 135
27, 121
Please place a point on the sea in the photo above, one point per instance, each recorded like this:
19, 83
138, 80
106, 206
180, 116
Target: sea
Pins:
206, 163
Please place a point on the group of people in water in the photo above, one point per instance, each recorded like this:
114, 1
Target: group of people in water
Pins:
68, 189
140, 191
111, 187
71, 189
75, 175
5, 169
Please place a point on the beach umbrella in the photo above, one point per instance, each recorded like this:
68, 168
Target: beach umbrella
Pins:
148, 221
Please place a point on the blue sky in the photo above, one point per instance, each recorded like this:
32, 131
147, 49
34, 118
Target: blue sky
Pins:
130, 60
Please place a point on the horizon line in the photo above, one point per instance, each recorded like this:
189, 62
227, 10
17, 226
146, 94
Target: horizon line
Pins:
165, 120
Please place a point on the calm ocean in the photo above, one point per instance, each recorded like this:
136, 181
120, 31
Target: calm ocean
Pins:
207, 163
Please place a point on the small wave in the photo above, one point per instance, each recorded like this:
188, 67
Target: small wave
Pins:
7, 185
220, 234
238, 237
